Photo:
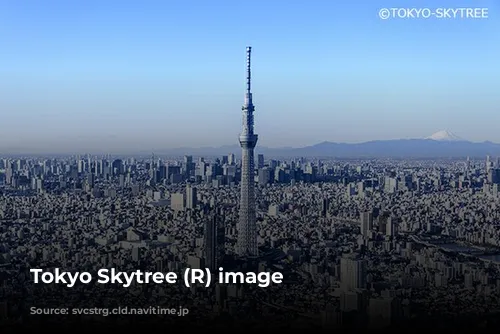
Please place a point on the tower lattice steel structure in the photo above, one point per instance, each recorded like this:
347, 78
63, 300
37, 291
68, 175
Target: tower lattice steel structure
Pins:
247, 229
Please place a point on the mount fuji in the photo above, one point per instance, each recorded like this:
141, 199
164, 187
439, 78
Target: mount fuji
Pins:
445, 135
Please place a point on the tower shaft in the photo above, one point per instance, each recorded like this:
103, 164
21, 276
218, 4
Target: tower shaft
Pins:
247, 228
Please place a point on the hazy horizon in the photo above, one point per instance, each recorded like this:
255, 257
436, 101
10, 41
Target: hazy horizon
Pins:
141, 76
115, 146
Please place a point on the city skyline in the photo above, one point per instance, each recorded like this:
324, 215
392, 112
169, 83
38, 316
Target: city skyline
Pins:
141, 79
406, 237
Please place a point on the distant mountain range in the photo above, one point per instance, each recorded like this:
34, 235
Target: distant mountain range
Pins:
442, 144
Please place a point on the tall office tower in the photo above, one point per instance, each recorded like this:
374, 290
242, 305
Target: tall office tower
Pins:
494, 176
260, 161
247, 228
188, 164
352, 273
390, 227
81, 166
366, 223
231, 159
117, 167
9, 172
214, 242
191, 197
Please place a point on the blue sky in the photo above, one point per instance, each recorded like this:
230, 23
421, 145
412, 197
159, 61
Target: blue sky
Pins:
153, 74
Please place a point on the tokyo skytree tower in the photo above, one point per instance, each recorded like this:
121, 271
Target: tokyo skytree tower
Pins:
247, 228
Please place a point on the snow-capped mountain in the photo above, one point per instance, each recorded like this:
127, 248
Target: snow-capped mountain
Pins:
445, 135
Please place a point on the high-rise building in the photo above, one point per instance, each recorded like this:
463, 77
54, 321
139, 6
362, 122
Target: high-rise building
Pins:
117, 167
264, 176
188, 165
191, 197
366, 223
390, 228
247, 227
260, 161
90, 180
231, 159
494, 176
352, 273
177, 202
214, 242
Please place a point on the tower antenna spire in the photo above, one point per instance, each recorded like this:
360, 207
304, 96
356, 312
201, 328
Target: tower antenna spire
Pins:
249, 73
248, 107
